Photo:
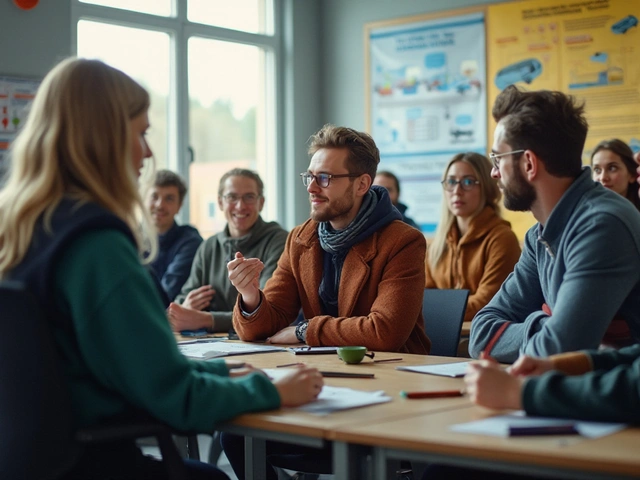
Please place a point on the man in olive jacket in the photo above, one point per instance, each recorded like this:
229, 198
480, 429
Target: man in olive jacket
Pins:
207, 297
355, 268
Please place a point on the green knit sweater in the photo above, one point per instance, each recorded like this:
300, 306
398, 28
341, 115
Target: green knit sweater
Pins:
124, 355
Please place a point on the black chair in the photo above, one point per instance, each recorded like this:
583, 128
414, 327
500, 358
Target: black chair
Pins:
37, 441
443, 312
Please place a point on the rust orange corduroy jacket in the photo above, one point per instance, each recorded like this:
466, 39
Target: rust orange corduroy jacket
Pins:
379, 298
479, 261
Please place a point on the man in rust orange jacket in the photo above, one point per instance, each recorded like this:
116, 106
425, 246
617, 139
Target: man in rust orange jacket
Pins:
355, 268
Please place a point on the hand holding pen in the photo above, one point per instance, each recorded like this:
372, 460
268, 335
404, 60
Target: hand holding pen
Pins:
489, 385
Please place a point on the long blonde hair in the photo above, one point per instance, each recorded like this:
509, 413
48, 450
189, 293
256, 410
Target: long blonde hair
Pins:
489, 196
76, 142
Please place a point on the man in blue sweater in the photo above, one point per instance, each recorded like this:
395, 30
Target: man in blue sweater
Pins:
177, 243
580, 265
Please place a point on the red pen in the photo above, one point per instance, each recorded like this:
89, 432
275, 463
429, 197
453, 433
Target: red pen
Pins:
432, 394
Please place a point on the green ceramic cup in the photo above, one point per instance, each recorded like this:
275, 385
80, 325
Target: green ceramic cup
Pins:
353, 354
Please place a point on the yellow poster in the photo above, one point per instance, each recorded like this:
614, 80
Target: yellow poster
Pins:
586, 48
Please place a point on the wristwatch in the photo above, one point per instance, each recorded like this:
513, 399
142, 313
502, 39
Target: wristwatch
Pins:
301, 331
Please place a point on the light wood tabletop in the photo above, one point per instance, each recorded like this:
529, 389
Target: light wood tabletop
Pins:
429, 435
387, 378
419, 429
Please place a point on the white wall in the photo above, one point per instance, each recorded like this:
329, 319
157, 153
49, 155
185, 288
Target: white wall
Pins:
33, 41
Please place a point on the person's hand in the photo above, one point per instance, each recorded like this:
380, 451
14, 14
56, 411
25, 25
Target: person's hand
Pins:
526, 366
200, 298
302, 385
240, 369
182, 318
487, 384
287, 336
244, 274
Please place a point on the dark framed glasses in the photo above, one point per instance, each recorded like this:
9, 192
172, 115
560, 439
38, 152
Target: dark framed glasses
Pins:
323, 179
466, 183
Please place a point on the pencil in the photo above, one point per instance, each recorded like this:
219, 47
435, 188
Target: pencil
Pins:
432, 394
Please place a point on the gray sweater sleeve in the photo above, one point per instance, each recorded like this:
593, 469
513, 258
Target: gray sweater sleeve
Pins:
579, 316
520, 297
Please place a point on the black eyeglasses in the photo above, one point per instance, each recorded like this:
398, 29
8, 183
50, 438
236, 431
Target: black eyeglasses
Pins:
495, 157
247, 198
323, 179
466, 183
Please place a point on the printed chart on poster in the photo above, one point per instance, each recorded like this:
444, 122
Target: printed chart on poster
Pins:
586, 48
427, 102
16, 95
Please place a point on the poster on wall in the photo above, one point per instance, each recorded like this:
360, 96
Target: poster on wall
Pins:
586, 48
16, 94
427, 102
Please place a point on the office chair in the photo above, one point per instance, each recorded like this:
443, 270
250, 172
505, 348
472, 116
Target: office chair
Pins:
37, 440
443, 312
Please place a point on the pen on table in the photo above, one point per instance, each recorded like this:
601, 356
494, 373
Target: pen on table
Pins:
290, 365
346, 374
388, 360
568, 429
432, 394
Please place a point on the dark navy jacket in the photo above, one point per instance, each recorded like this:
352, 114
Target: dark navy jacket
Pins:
173, 264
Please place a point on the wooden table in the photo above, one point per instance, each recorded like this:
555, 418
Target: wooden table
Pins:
295, 426
427, 437
419, 429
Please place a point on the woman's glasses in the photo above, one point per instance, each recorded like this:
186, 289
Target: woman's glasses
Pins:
466, 183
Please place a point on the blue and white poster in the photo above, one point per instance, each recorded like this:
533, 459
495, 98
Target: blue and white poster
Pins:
428, 102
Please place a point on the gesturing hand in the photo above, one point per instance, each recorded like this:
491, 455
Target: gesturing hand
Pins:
244, 274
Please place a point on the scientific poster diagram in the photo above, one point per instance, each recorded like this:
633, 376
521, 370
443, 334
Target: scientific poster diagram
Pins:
428, 102
586, 48
16, 94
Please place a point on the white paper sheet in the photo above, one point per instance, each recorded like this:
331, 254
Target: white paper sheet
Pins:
444, 369
333, 399
498, 426
205, 351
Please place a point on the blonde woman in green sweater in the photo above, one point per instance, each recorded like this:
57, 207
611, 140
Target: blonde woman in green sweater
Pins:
73, 229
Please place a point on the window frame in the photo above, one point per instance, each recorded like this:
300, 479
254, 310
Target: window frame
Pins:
180, 30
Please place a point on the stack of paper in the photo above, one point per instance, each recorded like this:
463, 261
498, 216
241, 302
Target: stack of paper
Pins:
205, 351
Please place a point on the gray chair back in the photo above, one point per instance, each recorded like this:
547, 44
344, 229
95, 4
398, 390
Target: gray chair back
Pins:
443, 312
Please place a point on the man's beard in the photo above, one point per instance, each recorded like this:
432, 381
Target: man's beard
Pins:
338, 208
520, 195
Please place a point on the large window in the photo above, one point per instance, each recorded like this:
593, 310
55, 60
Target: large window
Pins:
147, 59
210, 68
